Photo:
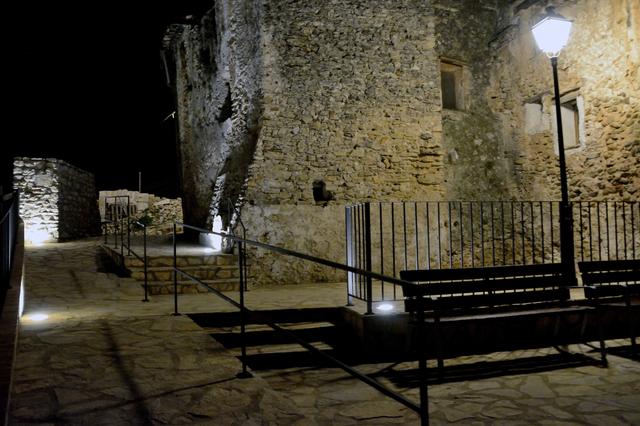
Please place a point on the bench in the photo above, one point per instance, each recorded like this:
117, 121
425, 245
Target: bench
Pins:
614, 285
498, 293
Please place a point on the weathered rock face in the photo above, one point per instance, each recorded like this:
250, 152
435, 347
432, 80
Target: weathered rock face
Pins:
341, 101
57, 200
218, 85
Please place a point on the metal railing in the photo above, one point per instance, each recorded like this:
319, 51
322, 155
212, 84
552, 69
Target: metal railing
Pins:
421, 409
9, 213
388, 237
121, 228
606, 230
144, 259
394, 236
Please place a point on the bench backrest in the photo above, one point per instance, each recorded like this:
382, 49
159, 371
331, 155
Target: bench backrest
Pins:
607, 275
494, 286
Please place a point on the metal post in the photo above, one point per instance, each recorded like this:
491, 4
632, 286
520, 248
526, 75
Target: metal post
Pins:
422, 367
566, 214
350, 256
367, 237
128, 226
175, 273
244, 374
144, 254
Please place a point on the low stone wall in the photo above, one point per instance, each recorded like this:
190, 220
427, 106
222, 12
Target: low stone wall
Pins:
57, 200
157, 212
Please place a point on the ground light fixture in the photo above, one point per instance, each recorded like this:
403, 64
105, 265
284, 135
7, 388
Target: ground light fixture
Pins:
385, 307
552, 34
37, 317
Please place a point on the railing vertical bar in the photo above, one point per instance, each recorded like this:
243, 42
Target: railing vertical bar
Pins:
415, 224
473, 257
461, 235
361, 250
615, 226
590, 231
439, 237
533, 234
426, 204
493, 237
624, 230
504, 254
581, 231
367, 226
357, 289
513, 234
633, 232
599, 231
606, 217
393, 238
381, 249
404, 232
450, 236
175, 271
522, 232
482, 233
349, 243
541, 231
146, 263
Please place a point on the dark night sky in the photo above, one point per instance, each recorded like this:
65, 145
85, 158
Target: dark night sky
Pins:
85, 84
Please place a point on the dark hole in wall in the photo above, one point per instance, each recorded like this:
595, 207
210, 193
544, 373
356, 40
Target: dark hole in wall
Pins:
320, 193
448, 81
226, 111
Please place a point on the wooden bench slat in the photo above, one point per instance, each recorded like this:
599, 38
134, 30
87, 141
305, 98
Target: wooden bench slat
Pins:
455, 287
610, 277
609, 265
485, 300
477, 273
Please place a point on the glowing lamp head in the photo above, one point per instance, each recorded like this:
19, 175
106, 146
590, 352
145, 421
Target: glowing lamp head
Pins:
552, 33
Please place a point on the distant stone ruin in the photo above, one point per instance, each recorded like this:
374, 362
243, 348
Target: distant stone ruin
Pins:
157, 213
57, 200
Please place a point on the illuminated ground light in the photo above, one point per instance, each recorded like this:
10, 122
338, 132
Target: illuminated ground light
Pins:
385, 307
37, 236
37, 317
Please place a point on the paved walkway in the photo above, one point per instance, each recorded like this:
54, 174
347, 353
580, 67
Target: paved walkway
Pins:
104, 357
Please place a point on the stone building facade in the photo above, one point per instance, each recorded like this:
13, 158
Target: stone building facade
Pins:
293, 109
58, 201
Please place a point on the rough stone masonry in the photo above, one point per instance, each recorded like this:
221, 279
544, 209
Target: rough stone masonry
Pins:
58, 201
276, 98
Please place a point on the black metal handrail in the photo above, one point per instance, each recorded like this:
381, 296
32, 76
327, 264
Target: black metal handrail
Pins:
144, 259
421, 408
10, 210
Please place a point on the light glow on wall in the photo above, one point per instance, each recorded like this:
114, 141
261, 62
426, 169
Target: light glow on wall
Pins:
36, 235
37, 317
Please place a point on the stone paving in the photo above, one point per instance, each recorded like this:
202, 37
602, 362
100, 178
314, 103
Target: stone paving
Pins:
104, 357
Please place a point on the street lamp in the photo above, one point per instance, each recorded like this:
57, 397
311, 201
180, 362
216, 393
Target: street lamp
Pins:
551, 35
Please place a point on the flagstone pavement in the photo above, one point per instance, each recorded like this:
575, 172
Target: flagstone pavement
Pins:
103, 357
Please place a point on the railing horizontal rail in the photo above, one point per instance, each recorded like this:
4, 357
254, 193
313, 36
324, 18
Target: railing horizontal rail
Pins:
315, 259
418, 408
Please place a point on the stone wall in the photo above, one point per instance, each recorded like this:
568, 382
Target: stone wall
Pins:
158, 213
57, 200
601, 65
338, 102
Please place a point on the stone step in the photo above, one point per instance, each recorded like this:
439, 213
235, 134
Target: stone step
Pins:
214, 259
204, 272
190, 287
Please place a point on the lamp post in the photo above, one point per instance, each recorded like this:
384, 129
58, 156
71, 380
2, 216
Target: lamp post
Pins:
551, 35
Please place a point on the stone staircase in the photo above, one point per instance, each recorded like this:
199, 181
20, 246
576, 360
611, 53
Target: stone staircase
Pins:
220, 271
